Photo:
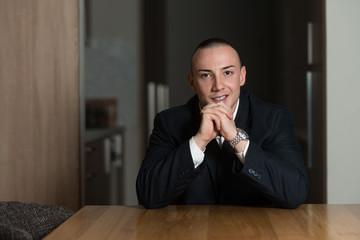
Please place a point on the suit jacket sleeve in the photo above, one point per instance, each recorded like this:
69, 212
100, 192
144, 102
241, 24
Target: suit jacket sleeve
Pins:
274, 163
167, 168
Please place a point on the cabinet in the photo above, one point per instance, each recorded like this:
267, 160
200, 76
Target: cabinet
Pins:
104, 167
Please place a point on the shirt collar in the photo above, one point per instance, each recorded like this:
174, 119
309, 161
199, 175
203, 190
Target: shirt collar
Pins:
236, 109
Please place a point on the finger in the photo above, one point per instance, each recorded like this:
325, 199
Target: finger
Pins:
214, 119
220, 111
220, 106
217, 123
225, 109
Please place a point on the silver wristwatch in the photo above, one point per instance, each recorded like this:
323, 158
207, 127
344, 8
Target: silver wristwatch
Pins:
240, 136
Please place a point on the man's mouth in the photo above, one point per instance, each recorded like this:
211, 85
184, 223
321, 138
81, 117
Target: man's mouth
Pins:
218, 99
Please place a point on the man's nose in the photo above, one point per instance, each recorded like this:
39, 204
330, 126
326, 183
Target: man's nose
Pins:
218, 83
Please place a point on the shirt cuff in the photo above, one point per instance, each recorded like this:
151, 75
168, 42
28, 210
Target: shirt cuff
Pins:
241, 155
196, 153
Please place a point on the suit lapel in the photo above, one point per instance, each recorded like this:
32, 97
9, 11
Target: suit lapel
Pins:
242, 118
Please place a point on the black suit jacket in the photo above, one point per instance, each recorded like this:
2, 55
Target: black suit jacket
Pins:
273, 173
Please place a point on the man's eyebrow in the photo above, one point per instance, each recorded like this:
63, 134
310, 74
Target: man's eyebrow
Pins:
204, 70
207, 70
230, 66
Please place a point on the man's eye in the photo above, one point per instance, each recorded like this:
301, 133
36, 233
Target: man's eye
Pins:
205, 75
228, 72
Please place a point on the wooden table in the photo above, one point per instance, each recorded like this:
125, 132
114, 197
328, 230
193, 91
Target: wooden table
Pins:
321, 221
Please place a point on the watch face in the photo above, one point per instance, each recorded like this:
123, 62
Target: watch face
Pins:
243, 134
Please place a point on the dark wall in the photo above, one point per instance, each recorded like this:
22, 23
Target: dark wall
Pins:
244, 23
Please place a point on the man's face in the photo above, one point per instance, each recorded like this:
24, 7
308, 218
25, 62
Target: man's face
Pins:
217, 75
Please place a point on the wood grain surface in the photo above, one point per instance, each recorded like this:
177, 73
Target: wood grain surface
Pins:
212, 222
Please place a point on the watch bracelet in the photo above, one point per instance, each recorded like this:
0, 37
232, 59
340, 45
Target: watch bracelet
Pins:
239, 137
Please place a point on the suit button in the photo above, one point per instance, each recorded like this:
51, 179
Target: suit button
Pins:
254, 173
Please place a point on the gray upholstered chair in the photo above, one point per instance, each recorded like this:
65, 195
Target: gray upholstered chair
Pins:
30, 221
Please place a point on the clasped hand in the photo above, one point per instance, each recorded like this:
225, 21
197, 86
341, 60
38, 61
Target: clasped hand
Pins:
217, 119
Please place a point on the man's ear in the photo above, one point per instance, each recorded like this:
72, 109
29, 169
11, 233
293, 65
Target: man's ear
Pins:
191, 82
242, 76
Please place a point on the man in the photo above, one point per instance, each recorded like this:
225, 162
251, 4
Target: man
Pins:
224, 146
